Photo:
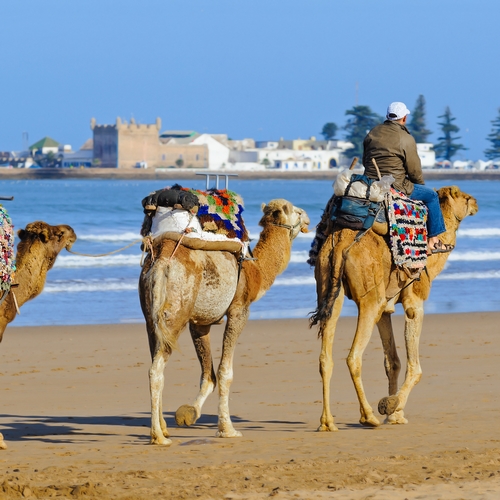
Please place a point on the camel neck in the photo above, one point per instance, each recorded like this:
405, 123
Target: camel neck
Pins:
273, 253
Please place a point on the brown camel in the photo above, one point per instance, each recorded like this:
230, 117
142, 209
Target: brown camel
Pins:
201, 287
366, 274
37, 250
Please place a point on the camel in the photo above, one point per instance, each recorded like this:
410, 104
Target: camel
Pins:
365, 273
199, 288
37, 251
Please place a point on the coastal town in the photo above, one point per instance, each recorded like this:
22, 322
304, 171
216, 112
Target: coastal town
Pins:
128, 146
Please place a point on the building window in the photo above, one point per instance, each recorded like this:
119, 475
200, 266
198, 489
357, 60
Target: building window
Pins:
162, 157
197, 157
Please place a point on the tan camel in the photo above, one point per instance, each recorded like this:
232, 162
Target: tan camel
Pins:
365, 273
37, 250
200, 288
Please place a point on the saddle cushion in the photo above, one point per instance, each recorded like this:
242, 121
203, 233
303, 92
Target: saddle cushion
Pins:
171, 223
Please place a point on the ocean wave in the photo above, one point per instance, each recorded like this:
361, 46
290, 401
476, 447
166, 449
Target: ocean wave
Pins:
76, 286
473, 256
480, 232
473, 275
127, 236
78, 261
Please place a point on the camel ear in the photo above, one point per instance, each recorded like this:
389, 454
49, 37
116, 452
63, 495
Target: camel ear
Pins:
454, 191
286, 208
22, 234
263, 205
40, 229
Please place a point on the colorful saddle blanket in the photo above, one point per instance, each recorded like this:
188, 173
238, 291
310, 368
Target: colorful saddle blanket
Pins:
407, 229
220, 212
7, 254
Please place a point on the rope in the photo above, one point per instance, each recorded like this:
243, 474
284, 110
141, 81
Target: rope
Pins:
105, 254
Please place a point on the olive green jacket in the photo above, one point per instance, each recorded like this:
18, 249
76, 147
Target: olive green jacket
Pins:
395, 152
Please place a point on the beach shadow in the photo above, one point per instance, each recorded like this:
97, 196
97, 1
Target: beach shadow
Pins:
70, 429
60, 429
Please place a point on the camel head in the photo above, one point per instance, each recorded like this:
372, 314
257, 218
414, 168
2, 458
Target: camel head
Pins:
282, 213
456, 202
54, 237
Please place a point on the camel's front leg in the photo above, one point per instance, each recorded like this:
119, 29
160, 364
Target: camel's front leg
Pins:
392, 363
187, 414
368, 315
159, 433
394, 406
236, 321
326, 362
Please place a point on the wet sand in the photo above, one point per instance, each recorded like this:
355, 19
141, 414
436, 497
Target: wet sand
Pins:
75, 416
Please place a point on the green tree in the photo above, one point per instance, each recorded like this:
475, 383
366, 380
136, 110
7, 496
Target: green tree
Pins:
329, 131
179, 162
494, 151
49, 160
362, 120
446, 147
417, 125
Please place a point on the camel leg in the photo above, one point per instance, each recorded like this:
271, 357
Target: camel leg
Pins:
394, 406
234, 326
392, 366
326, 362
159, 433
187, 414
392, 363
367, 318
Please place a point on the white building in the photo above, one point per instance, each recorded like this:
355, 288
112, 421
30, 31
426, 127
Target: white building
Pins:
426, 154
218, 152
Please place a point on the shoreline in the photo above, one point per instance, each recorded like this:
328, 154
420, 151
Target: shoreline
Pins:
75, 415
190, 174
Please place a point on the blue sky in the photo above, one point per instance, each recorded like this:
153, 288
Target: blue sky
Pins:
257, 68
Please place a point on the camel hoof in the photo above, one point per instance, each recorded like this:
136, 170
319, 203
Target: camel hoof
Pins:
3, 444
186, 416
228, 434
327, 428
388, 405
161, 441
369, 422
397, 418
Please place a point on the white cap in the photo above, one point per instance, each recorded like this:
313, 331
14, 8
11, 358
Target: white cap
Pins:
396, 111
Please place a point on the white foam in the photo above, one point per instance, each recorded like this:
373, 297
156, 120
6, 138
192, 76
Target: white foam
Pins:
473, 256
480, 232
77, 261
127, 236
75, 286
473, 275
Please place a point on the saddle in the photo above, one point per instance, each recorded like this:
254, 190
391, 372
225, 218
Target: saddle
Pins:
399, 217
200, 220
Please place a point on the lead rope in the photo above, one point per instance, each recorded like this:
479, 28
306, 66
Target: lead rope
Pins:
105, 254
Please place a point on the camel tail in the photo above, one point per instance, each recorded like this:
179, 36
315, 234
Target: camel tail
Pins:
325, 307
164, 336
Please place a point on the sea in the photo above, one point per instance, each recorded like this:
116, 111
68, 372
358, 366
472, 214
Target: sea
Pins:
107, 215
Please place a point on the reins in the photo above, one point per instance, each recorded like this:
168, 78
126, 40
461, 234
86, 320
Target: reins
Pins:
288, 226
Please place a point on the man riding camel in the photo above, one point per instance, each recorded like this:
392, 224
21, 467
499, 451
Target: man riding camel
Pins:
395, 153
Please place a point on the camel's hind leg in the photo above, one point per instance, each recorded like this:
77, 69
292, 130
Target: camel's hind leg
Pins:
414, 317
159, 432
326, 362
368, 316
189, 414
236, 320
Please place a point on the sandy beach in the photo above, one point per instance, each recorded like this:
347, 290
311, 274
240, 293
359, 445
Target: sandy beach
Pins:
75, 416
